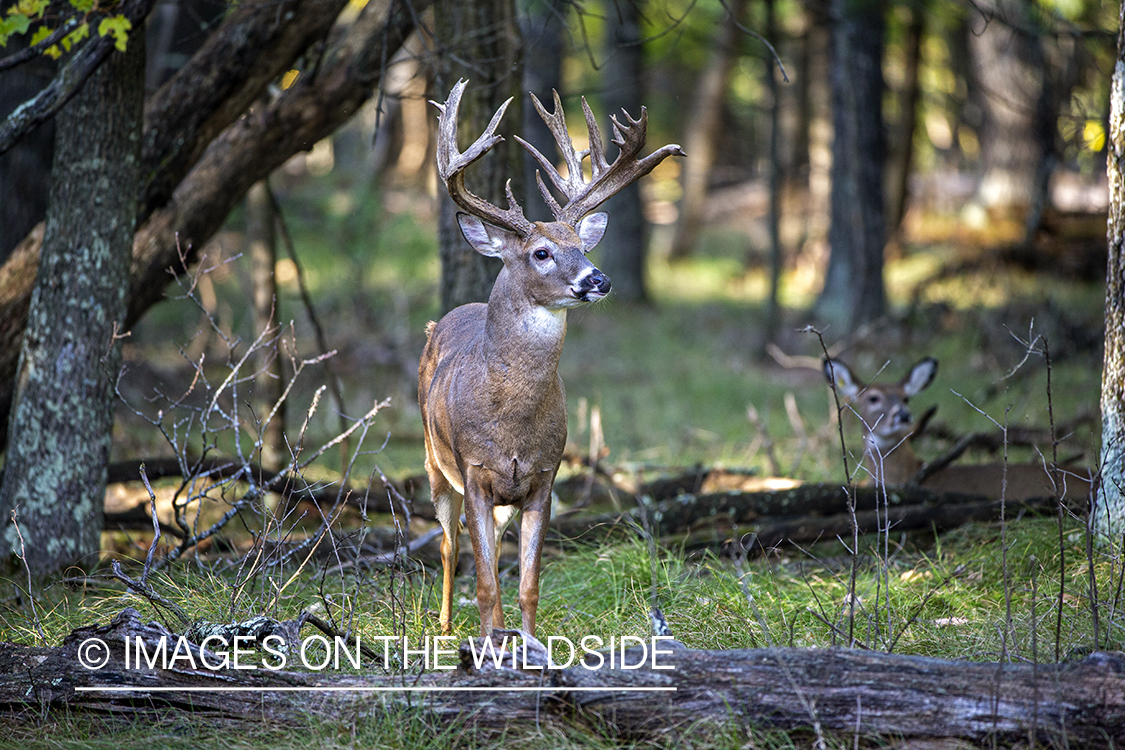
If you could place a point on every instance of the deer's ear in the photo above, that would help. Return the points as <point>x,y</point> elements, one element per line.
<point>591,229</point>
<point>920,376</point>
<point>486,239</point>
<point>840,376</point>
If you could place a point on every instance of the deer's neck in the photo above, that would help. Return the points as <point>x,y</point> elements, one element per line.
<point>891,464</point>
<point>522,341</point>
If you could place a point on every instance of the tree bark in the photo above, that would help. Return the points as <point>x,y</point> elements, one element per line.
<point>1110,510</point>
<point>245,152</point>
<point>773,309</point>
<point>61,423</point>
<point>486,33</point>
<point>901,155</point>
<point>1008,65</point>
<point>853,291</point>
<point>841,692</point>
<point>703,130</point>
<point>622,255</point>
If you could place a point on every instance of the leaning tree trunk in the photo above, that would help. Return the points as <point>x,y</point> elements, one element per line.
<point>623,254</point>
<point>853,288</point>
<point>1110,511</point>
<point>61,425</point>
<point>478,40</point>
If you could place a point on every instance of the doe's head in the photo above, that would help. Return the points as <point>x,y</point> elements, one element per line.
<point>883,409</point>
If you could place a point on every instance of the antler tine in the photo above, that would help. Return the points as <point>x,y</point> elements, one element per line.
<point>598,163</point>
<point>556,123</point>
<point>583,197</point>
<point>452,164</point>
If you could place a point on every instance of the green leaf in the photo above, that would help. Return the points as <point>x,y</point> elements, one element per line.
<point>83,6</point>
<point>11,26</point>
<point>119,27</point>
<point>29,8</point>
<point>40,34</point>
<point>76,36</point>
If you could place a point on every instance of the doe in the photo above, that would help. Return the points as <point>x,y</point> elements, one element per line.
<point>493,405</point>
<point>888,426</point>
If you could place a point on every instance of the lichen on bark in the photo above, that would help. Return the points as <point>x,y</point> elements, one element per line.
<point>62,419</point>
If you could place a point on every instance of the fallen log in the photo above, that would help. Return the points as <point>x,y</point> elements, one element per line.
<point>806,513</point>
<point>846,692</point>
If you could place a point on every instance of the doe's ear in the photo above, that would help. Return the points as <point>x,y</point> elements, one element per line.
<point>840,376</point>
<point>591,229</point>
<point>486,239</point>
<point>920,376</point>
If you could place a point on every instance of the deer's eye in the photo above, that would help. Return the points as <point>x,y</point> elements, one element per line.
<point>541,254</point>
<point>873,399</point>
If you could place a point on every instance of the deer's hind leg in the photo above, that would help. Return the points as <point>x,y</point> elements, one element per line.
<point>447,504</point>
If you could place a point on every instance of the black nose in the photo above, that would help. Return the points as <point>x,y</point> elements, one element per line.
<point>598,280</point>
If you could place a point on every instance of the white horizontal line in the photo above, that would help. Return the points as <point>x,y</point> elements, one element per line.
<point>365,689</point>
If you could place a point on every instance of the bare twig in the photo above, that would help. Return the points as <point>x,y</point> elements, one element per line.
<point>30,589</point>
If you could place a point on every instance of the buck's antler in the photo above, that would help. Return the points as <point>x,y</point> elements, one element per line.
<point>607,179</point>
<point>452,164</point>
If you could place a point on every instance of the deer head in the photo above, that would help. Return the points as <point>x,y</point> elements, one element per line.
<point>883,409</point>
<point>493,407</point>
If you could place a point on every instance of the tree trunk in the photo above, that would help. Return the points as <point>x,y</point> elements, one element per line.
<point>901,155</point>
<point>1008,65</point>
<point>773,311</point>
<point>853,291</point>
<point>702,131</point>
<point>622,256</point>
<point>478,40</point>
<point>228,161</point>
<point>841,692</point>
<point>61,426</point>
<point>1110,510</point>
<point>261,241</point>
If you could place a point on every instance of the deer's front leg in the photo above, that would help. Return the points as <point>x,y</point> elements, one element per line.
<point>482,531</point>
<point>533,529</point>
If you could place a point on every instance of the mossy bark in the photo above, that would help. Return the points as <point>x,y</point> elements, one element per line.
<point>61,424</point>
<point>1110,511</point>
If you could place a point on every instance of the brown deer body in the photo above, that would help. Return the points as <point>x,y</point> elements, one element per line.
<point>888,427</point>
<point>493,405</point>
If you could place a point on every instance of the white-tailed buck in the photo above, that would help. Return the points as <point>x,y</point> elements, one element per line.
<point>888,427</point>
<point>493,405</point>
